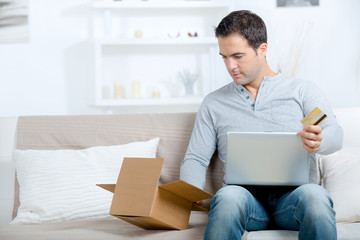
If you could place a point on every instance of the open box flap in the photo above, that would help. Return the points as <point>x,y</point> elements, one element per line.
<point>137,171</point>
<point>136,187</point>
<point>186,191</point>
<point>109,187</point>
<point>196,207</point>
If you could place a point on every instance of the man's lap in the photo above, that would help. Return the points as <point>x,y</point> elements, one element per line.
<point>271,207</point>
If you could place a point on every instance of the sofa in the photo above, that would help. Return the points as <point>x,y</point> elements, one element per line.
<point>49,140</point>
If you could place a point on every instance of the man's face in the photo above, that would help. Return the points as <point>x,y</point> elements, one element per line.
<point>242,61</point>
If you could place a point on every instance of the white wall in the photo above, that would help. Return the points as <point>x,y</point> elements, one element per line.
<point>32,75</point>
<point>325,40</point>
<point>51,75</point>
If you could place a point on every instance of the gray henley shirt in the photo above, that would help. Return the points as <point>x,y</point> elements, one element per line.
<point>280,105</point>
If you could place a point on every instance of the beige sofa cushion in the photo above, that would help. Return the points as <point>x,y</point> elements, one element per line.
<point>78,132</point>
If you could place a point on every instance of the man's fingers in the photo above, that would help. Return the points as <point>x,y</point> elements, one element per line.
<point>311,143</point>
<point>311,136</point>
<point>311,132</point>
<point>311,149</point>
<point>313,128</point>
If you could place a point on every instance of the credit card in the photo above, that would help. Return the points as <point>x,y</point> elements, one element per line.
<point>315,117</point>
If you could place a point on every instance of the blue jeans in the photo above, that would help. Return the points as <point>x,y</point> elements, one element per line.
<point>307,209</point>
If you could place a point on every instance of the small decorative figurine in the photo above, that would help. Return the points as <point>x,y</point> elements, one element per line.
<point>118,90</point>
<point>138,34</point>
<point>188,79</point>
<point>192,35</point>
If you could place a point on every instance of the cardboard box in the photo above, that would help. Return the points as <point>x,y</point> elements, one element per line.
<point>140,201</point>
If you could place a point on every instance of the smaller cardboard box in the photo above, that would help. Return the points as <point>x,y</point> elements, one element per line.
<point>140,201</point>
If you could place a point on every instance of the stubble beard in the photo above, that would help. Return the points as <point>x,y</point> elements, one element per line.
<point>243,80</point>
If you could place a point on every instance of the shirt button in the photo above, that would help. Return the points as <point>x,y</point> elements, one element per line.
<point>247,97</point>
<point>242,90</point>
<point>252,105</point>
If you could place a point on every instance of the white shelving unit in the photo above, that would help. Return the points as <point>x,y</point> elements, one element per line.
<point>158,59</point>
<point>158,41</point>
<point>128,4</point>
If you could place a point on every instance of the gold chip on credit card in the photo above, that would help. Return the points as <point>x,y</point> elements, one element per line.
<point>315,117</point>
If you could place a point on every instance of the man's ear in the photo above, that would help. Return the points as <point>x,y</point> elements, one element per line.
<point>262,49</point>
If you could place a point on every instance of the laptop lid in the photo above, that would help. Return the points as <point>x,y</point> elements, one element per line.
<point>266,158</point>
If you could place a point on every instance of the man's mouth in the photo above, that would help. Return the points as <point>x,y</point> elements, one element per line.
<point>236,75</point>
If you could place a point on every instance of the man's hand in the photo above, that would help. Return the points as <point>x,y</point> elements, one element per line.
<point>311,137</point>
<point>200,203</point>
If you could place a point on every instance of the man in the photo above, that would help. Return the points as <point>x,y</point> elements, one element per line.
<point>259,99</point>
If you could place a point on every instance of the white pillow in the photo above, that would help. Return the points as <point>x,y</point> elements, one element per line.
<point>57,185</point>
<point>341,177</point>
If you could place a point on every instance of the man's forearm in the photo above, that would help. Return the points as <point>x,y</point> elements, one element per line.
<point>332,140</point>
<point>193,172</point>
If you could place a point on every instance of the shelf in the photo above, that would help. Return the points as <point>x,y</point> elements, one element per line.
<point>156,57</point>
<point>158,4</point>
<point>159,41</point>
<point>149,101</point>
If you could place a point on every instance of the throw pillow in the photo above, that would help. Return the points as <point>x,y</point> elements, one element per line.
<point>58,185</point>
<point>341,177</point>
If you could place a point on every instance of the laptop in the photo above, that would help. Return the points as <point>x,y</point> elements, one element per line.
<point>266,158</point>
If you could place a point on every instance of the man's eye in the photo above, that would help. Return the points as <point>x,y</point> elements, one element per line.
<point>238,57</point>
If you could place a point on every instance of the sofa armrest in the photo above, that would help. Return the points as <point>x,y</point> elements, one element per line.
<point>7,169</point>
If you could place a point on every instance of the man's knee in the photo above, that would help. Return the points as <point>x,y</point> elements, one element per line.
<point>315,200</point>
<point>231,195</point>
<point>231,199</point>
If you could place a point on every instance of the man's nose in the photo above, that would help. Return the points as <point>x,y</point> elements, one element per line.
<point>231,64</point>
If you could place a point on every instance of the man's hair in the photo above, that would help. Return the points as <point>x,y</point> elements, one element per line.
<point>245,23</point>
